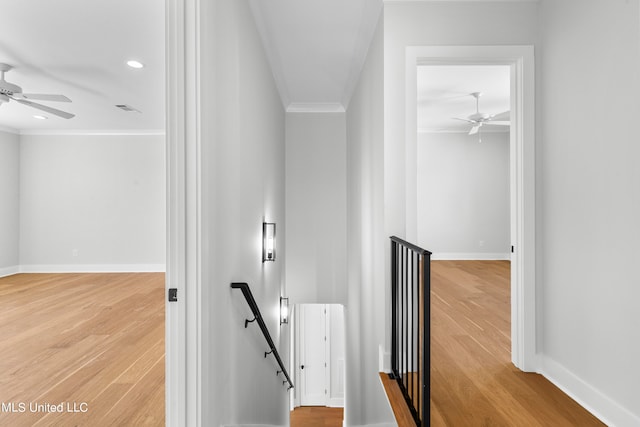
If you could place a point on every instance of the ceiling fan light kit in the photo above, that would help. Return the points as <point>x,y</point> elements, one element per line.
<point>10,91</point>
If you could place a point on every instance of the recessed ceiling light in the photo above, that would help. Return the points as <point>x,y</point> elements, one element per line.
<point>39,117</point>
<point>135,64</point>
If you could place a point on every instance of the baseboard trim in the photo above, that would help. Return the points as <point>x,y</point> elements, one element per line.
<point>470,256</point>
<point>93,268</point>
<point>9,271</point>
<point>593,400</point>
<point>336,402</point>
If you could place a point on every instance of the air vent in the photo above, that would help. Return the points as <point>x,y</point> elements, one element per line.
<point>128,108</point>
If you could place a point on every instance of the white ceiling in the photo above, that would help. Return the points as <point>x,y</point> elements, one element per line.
<point>316,48</point>
<point>444,93</point>
<point>79,48</point>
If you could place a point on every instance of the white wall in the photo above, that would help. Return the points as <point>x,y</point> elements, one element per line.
<point>463,195</point>
<point>366,244</point>
<point>242,129</point>
<point>588,180</point>
<point>9,203</point>
<point>92,203</point>
<point>316,206</point>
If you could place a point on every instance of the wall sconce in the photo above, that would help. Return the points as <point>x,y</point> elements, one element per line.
<point>268,241</point>
<point>284,310</point>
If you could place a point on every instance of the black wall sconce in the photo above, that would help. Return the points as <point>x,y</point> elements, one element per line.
<point>284,310</point>
<point>268,241</point>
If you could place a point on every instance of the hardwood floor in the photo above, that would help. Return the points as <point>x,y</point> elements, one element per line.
<point>316,416</point>
<point>90,345</point>
<point>473,382</point>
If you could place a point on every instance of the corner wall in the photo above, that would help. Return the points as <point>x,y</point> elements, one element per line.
<point>9,203</point>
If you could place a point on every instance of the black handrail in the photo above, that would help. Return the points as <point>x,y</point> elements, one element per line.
<point>410,315</point>
<point>246,291</point>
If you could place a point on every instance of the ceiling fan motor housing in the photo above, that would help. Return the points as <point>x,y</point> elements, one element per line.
<point>7,88</point>
<point>479,117</point>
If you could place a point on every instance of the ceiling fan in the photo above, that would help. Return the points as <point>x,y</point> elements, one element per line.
<point>479,119</point>
<point>9,91</point>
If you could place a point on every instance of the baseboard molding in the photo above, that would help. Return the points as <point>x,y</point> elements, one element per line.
<point>248,425</point>
<point>9,271</point>
<point>592,399</point>
<point>336,402</point>
<point>469,256</point>
<point>93,268</point>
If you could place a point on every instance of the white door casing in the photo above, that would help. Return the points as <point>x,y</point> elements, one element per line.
<point>522,172</point>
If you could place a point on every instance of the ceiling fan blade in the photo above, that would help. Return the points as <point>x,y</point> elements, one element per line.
<point>473,122</point>
<point>50,110</point>
<point>498,122</point>
<point>474,129</point>
<point>505,115</point>
<point>42,97</point>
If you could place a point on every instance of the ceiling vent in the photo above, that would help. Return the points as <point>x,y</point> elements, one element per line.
<point>127,108</point>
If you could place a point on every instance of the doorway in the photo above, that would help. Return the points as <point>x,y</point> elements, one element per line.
<point>318,360</point>
<point>520,61</point>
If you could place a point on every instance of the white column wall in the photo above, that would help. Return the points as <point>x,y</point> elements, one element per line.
<point>366,245</point>
<point>9,203</point>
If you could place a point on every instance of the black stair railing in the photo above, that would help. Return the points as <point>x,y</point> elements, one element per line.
<point>257,317</point>
<point>410,325</point>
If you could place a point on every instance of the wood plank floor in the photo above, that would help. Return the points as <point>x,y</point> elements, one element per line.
<point>316,416</point>
<point>91,345</point>
<point>473,382</point>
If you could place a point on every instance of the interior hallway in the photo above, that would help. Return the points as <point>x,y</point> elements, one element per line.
<point>473,382</point>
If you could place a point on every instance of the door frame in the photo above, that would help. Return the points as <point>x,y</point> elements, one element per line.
<point>522,173</point>
<point>183,317</point>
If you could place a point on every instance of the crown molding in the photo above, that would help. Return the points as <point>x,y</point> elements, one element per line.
<point>315,107</point>
<point>105,132</point>
<point>9,130</point>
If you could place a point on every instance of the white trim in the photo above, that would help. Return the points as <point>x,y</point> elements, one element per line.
<point>9,271</point>
<point>248,425</point>
<point>523,265</point>
<point>92,268</point>
<point>183,394</point>
<point>9,130</point>
<point>593,400</point>
<point>271,50</point>
<point>87,132</point>
<point>469,256</point>
<point>491,129</point>
<point>335,402</point>
<point>315,107</point>
<point>466,1</point>
<point>366,30</point>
